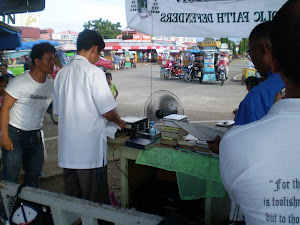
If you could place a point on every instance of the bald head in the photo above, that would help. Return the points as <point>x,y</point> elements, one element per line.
<point>285,39</point>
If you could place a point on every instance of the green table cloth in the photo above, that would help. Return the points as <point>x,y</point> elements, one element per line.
<point>198,175</point>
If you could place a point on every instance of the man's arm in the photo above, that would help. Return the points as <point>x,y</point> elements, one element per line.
<point>112,116</point>
<point>8,102</point>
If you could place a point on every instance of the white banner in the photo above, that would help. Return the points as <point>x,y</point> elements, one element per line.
<point>199,18</point>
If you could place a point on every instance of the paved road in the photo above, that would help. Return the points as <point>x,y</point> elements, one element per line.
<point>208,101</point>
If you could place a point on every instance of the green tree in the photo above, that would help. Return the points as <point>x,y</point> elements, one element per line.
<point>105,28</point>
<point>243,46</point>
<point>234,49</point>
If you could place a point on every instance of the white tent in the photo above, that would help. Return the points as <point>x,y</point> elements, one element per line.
<point>199,18</point>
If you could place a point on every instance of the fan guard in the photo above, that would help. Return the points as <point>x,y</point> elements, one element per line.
<point>162,103</point>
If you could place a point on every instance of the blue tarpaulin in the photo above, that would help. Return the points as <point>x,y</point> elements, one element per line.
<point>30,44</point>
<point>10,37</point>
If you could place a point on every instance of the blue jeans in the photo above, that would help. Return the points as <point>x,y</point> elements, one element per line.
<point>28,149</point>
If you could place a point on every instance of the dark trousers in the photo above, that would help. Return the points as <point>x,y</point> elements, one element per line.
<point>89,184</point>
<point>28,149</point>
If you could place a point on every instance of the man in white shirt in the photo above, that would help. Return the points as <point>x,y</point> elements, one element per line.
<point>25,102</point>
<point>259,162</point>
<point>82,100</point>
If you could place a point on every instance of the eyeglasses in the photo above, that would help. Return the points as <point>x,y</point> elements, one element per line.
<point>248,56</point>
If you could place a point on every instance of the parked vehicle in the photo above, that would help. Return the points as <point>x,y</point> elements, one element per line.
<point>192,73</point>
<point>171,71</point>
<point>104,64</point>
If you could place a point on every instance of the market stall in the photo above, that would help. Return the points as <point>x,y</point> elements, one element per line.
<point>10,37</point>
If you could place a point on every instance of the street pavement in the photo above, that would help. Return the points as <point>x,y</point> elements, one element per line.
<point>206,102</point>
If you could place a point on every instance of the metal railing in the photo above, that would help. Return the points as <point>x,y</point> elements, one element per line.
<point>66,210</point>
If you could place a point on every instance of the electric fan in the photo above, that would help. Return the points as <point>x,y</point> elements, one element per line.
<point>162,103</point>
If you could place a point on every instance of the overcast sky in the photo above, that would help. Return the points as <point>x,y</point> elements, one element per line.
<point>62,15</point>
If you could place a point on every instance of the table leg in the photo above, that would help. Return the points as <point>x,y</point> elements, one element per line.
<point>208,211</point>
<point>124,183</point>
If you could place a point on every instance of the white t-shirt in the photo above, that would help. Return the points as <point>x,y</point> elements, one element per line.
<point>81,96</point>
<point>33,99</point>
<point>259,165</point>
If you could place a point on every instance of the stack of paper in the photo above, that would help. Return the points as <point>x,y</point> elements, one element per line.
<point>171,133</point>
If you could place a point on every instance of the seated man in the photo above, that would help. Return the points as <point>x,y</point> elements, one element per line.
<point>259,162</point>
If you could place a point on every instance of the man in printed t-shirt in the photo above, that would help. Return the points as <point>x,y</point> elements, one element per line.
<point>262,175</point>
<point>25,102</point>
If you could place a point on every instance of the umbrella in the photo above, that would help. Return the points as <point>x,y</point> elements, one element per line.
<point>10,37</point>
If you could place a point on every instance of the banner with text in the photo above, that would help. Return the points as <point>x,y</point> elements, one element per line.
<point>199,18</point>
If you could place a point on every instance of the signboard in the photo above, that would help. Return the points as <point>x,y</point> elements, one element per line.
<point>164,38</point>
<point>64,37</point>
<point>21,20</point>
<point>143,47</point>
<point>199,18</point>
<point>209,44</point>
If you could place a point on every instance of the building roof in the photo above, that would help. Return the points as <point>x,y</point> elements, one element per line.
<point>30,32</point>
<point>69,32</point>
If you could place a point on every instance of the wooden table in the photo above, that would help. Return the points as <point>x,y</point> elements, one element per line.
<point>216,209</point>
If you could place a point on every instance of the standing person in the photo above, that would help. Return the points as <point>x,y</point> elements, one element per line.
<point>4,72</point>
<point>25,102</point>
<point>3,84</point>
<point>259,100</point>
<point>116,59</point>
<point>145,58</point>
<point>141,55</point>
<point>149,57</point>
<point>82,100</point>
<point>113,87</point>
<point>262,175</point>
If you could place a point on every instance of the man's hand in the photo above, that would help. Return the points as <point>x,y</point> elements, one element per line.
<point>112,116</point>
<point>214,145</point>
<point>235,111</point>
<point>122,124</point>
<point>6,143</point>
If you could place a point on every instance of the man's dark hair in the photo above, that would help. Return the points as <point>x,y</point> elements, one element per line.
<point>285,39</point>
<point>4,64</point>
<point>252,81</point>
<point>261,31</point>
<point>108,75</point>
<point>39,50</point>
<point>89,38</point>
<point>3,79</point>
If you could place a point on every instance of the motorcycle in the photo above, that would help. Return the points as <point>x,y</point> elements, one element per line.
<point>171,71</point>
<point>222,74</point>
<point>122,63</point>
<point>192,73</point>
<point>133,64</point>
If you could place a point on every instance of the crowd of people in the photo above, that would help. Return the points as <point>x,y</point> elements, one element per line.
<point>258,156</point>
